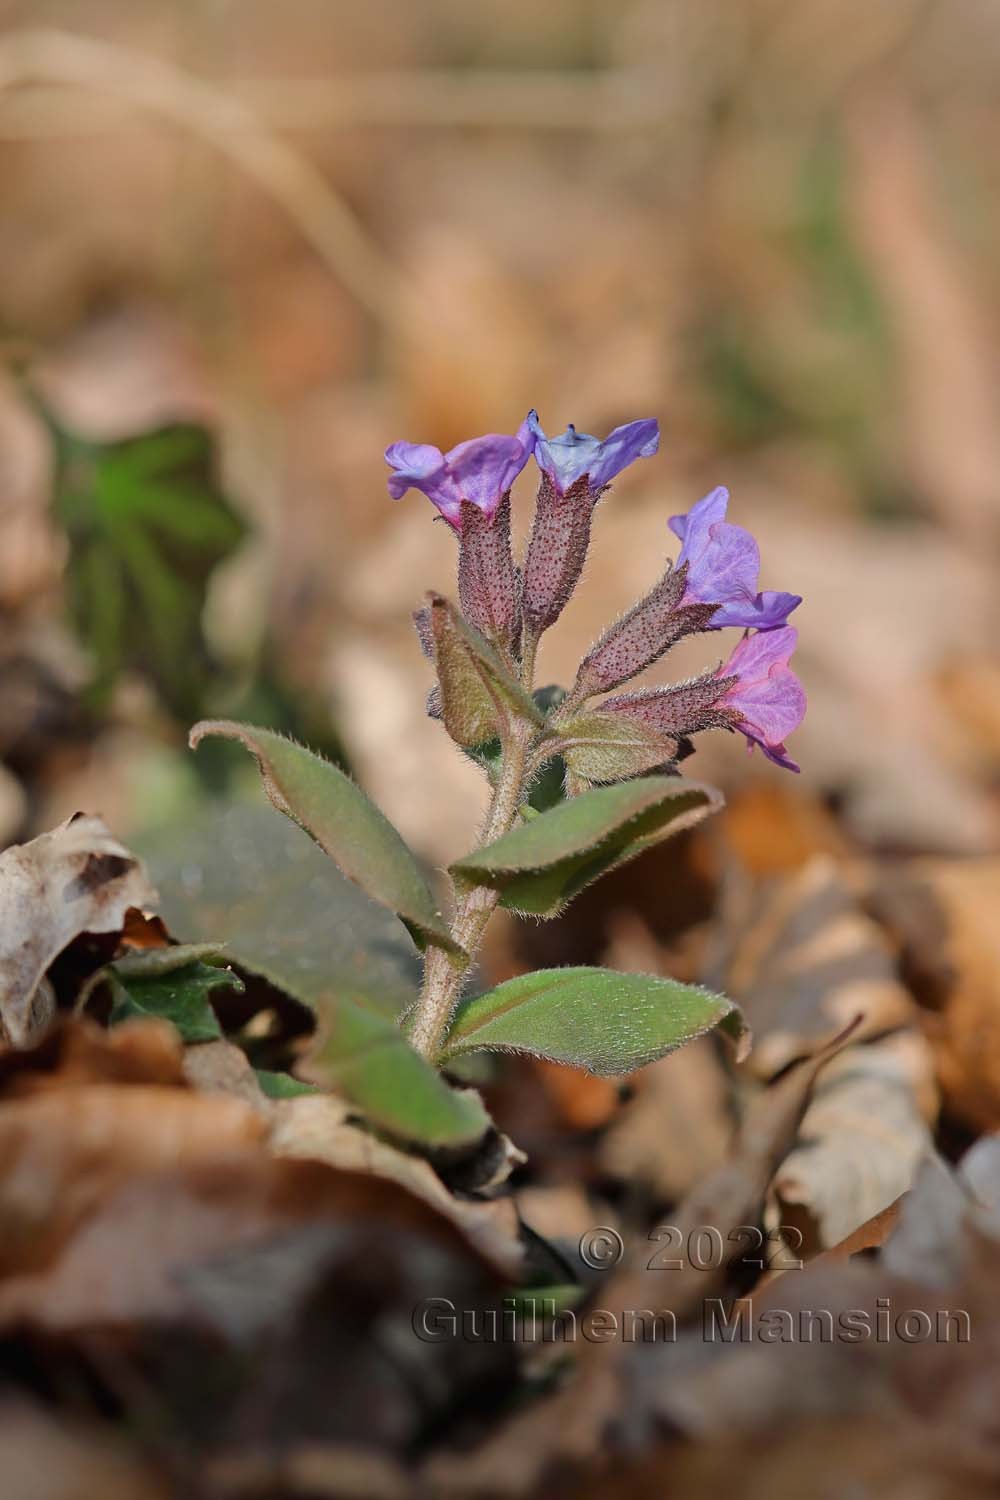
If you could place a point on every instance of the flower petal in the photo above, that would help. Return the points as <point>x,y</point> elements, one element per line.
<point>575,455</point>
<point>772,706</point>
<point>622,447</point>
<point>765,611</point>
<point>484,468</point>
<point>753,657</point>
<point>694,528</point>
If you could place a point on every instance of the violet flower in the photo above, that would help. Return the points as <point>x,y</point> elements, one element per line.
<point>766,695</point>
<point>723,563</point>
<point>576,469</point>
<point>480,471</point>
<point>577,455</point>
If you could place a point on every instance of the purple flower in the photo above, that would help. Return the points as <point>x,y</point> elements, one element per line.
<point>576,455</point>
<point>480,471</point>
<point>723,563</point>
<point>766,695</point>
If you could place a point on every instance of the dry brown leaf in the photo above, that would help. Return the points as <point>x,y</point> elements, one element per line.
<point>871,1235</point>
<point>47,1458</point>
<point>223,1068</point>
<point>944,916</point>
<point>75,879</point>
<point>64,1150</point>
<point>803,958</point>
<point>803,1460</point>
<point>317,1128</point>
<point>771,828</point>
<point>568,1428</point>
<point>677,1128</point>
<point>860,1142</point>
<point>582,1100</point>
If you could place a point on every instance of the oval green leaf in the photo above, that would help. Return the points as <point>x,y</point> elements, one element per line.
<point>368,1060</point>
<point>344,822</point>
<point>478,695</point>
<point>610,747</point>
<point>540,866</point>
<point>241,875</point>
<point>598,1019</point>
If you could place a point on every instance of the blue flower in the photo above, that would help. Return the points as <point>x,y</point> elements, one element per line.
<point>723,563</point>
<point>576,455</point>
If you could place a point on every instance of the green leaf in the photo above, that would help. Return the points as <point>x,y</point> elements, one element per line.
<point>178,995</point>
<point>541,865</point>
<point>344,822</point>
<point>590,1018</point>
<point>147,523</point>
<point>248,877</point>
<point>478,694</point>
<point>610,747</point>
<point>243,875</point>
<point>368,1060</point>
<point>282,1085</point>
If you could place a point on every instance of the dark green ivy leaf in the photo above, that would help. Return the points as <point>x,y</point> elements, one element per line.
<point>147,523</point>
<point>180,996</point>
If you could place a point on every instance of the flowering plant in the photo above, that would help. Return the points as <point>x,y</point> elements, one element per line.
<point>580,781</point>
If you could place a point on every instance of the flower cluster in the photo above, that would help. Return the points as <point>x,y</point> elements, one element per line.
<point>712,585</point>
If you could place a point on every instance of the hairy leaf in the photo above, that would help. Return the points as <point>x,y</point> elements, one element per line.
<point>591,1018</point>
<point>147,523</point>
<point>541,865</point>
<point>344,822</point>
<point>368,1060</point>
<point>245,876</point>
<point>478,694</point>
<point>609,747</point>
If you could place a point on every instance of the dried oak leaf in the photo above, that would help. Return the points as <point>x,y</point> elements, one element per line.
<point>46,1457</point>
<point>75,879</point>
<point>802,957</point>
<point>943,914</point>
<point>568,1430</point>
<point>860,1142</point>
<point>150,1229</point>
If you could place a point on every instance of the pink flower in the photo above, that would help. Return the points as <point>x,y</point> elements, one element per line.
<point>766,696</point>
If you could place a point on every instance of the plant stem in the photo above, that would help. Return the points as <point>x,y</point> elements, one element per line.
<point>444,976</point>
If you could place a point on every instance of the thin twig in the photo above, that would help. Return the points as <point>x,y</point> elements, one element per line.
<point>619,100</point>
<point>318,211</point>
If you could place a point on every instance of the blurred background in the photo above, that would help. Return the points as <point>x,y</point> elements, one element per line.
<point>245,246</point>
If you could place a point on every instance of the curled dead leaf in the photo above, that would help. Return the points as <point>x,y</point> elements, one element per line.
<point>75,879</point>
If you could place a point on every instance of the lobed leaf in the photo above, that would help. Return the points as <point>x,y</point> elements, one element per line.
<point>147,523</point>
<point>590,1018</point>
<point>541,865</point>
<point>345,823</point>
<point>179,995</point>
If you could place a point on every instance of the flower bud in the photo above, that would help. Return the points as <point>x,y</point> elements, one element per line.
<point>489,585</point>
<point>642,635</point>
<point>679,711</point>
<point>576,470</point>
<point>557,551</point>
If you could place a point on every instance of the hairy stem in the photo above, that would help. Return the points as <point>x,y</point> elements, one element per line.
<point>444,976</point>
